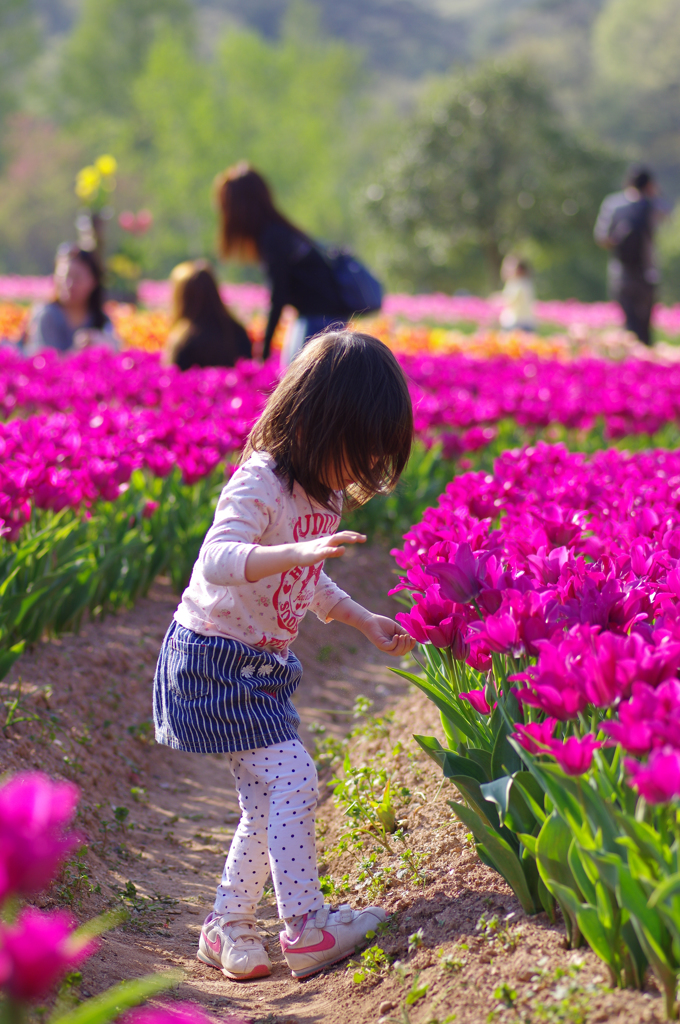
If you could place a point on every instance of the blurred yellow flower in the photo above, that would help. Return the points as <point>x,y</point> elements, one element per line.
<point>88,181</point>
<point>106,165</point>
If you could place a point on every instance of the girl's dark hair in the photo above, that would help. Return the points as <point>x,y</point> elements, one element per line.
<point>343,406</point>
<point>246,207</point>
<point>95,302</point>
<point>197,308</point>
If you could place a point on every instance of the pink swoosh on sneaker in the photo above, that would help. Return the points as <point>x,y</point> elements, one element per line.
<point>327,942</point>
<point>215,945</point>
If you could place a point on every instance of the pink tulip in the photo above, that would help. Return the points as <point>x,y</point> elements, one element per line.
<point>36,951</point>
<point>34,812</point>
<point>658,781</point>
<point>536,736</point>
<point>463,580</point>
<point>477,700</point>
<point>149,509</point>
<point>179,1013</point>
<point>574,755</point>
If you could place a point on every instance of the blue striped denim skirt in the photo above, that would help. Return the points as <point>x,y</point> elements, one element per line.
<point>212,695</point>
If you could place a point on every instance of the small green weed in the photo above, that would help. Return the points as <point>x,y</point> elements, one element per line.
<point>373,961</point>
<point>499,934</point>
<point>417,991</point>
<point>416,940</point>
<point>140,908</point>
<point>333,889</point>
<point>553,997</point>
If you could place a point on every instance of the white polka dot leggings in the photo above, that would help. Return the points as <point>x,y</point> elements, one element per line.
<point>277,791</point>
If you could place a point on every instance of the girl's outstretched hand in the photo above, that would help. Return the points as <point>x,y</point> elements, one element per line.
<point>313,551</point>
<point>269,561</point>
<point>387,635</point>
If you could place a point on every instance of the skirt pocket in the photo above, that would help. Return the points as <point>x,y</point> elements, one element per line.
<point>187,667</point>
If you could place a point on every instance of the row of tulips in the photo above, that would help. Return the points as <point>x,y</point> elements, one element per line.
<point>111,464</point>
<point>547,600</point>
<point>38,948</point>
<point>148,330</point>
<point>79,428</point>
<point>438,307</point>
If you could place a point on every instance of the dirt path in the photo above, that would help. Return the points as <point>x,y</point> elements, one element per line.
<point>159,823</point>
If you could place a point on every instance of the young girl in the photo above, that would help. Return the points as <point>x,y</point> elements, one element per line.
<point>339,421</point>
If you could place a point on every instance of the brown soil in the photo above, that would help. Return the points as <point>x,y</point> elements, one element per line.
<point>90,695</point>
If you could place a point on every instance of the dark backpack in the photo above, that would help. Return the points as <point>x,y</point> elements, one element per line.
<point>630,231</point>
<point>359,291</point>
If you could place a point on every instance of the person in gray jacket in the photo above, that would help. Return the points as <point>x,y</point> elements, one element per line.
<point>625,226</point>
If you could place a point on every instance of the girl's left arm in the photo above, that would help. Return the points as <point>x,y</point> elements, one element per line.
<point>384,633</point>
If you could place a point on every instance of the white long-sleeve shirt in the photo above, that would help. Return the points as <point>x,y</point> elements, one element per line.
<point>257,508</point>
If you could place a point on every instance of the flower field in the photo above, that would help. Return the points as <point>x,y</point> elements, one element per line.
<point>547,600</point>
<point>543,573</point>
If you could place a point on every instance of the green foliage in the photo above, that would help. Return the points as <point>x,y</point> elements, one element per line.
<point>421,483</point>
<point>18,43</point>
<point>105,53</point>
<point>65,565</point>
<point>488,165</point>
<point>283,105</point>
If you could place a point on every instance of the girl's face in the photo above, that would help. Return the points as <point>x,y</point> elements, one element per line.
<point>74,282</point>
<point>338,480</point>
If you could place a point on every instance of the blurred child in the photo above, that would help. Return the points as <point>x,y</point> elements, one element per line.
<point>518,295</point>
<point>203,332</point>
<point>340,422</point>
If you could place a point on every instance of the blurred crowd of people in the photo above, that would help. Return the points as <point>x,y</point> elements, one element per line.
<point>302,274</point>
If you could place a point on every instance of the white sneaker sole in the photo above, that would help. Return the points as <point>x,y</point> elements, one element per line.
<point>306,972</point>
<point>260,971</point>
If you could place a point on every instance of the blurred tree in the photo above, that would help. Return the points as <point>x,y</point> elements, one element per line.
<point>19,42</point>
<point>488,165</point>
<point>637,46</point>
<point>288,106</point>
<point>37,204</point>
<point>105,53</point>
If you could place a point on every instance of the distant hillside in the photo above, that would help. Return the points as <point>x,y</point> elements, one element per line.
<point>404,38</point>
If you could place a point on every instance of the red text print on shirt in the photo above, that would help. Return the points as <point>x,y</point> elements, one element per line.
<point>294,595</point>
<point>315,524</point>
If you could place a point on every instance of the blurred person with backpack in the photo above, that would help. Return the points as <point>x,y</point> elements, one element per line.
<point>625,226</point>
<point>325,288</point>
<point>203,332</point>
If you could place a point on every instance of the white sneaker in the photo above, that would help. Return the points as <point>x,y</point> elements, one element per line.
<point>327,937</point>
<point>233,947</point>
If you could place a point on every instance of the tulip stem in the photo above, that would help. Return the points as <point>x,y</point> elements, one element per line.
<point>11,1011</point>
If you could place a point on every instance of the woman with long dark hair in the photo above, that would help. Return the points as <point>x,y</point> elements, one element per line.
<point>203,332</point>
<point>253,230</point>
<point>75,318</point>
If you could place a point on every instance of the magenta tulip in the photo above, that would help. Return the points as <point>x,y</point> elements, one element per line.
<point>179,1013</point>
<point>536,736</point>
<point>658,781</point>
<point>574,755</point>
<point>34,811</point>
<point>36,951</point>
<point>477,700</point>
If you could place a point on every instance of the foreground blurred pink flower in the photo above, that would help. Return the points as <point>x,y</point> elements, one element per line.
<point>37,950</point>
<point>180,1013</point>
<point>575,755</point>
<point>34,811</point>
<point>658,781</point>
<point>149,509</point>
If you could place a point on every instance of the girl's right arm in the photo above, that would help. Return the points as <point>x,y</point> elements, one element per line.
<point>272,561</point>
